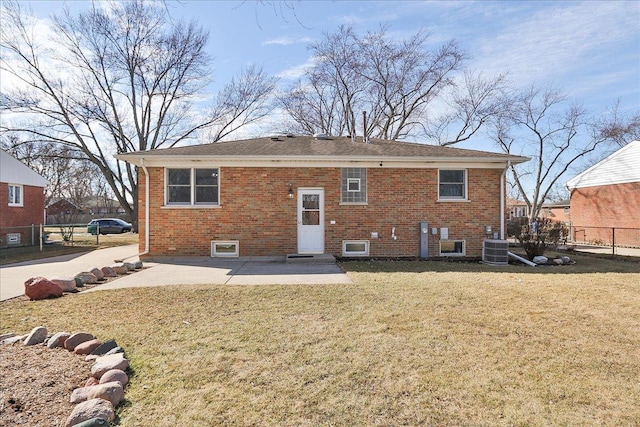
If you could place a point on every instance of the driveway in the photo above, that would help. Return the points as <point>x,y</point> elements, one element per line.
<point>237,271</point>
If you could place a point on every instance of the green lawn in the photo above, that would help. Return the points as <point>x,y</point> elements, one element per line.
<point>409,343</point>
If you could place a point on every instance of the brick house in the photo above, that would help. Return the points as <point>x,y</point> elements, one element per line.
<point>21,201</point>
<point>607,196</point>
<point>303,195</point>
<point>559,211</point>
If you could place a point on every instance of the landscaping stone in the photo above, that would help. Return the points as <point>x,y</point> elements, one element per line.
<point>14,339</point>
<point>79,282</point>
<point>111,391</point>
<point>87,277</point>
<point>36,336</point>
<point>86,347</point>
<point>120,269</point>
<point>137,265</point>
<point>108,272</point>
<point>103,348</point>
<point>114,350</point>
<point>106,363</point>
<point>80,394</point>
<point>93,422</point>
<point>130,266</point>
<point>97,272</point>
<point>91,381</point>
<point>77,338</point>
<point>93,408</point>
<point>91,357</point>
<point>58,339</point>
<point>38,288</point>
<point>115,375</point>
<point>540,259</point>
<point>5,336</point>
<point>67,284</point>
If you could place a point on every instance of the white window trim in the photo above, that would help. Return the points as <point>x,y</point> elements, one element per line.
<point>192,204</point>
<point>464,248</point>
<point>361,253</point>
<point>352,180</point>
<point>21,201</point>
<point>465,198</point>
<point>215,253</point>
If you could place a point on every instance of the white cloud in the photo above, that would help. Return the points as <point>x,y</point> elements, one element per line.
<point>296,71</point>
<point>556,40</point>
<point>285,41</point>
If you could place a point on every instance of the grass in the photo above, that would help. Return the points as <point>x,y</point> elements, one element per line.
<point>409,343</point>
<point>82,242</point>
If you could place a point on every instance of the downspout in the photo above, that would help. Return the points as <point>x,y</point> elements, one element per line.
<point>146,208</point>
<point>503,184</point>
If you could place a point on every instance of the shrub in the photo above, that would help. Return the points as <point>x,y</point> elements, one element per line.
<point>535,238</point>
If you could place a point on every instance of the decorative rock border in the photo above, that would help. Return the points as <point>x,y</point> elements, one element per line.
<point>103,390</point>
<point>37,288</point>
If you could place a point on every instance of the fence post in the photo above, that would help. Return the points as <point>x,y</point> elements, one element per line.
<point>613,241</point>
<point>41,236</point>
<point>98,233</point>
<point>33,232</point>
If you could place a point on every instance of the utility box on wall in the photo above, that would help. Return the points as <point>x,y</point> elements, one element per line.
<point>424,240</point>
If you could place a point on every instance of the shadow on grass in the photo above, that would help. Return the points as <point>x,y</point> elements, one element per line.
<point>584,264</point>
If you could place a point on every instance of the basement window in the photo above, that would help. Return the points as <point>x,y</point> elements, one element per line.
<point>355,248</point>
<point>452,247</point>
<point>227,249</point>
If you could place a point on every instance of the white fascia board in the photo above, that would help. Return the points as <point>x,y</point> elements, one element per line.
<point>371,162</point>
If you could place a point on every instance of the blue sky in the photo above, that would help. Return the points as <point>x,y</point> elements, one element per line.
<point>590,49</point>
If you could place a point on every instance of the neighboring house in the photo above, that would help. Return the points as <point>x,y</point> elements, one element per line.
<point>62,211</point>
<point>557,211</point>
<point>21,201</point>
<point>607,196</point>
<point>517,209</point>
<point>301,195</point>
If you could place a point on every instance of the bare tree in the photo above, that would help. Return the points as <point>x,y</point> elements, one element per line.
<point>118,80</point>
<point>620,128</point>
<point>402,85</point>
<point>542,124</point>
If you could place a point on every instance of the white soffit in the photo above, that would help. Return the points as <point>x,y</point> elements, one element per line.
<point>621,167</point>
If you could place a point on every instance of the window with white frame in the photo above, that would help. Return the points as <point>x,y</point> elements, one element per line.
<point>355,248</point>
<point>15,195</point>
<point>192,186</point>
<point>225,248</point>
<point>354,185</point>
<point>452,184</point>
<point>452,247</point>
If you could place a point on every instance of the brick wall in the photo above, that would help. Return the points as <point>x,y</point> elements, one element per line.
<point>32,211</point>
<point>18,219</point>
<point>607,207</point>
<point>256,211</point>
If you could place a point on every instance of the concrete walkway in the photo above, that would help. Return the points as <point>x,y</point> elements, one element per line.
<point>237,271</point>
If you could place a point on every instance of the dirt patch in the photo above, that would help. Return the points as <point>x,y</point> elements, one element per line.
<point>36,384</point>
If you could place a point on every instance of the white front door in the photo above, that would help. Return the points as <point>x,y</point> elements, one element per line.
<point>310,220</point>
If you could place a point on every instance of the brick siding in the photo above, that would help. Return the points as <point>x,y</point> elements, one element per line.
<point>16,219</point>
<point>607,206</point>
<point>255,210</point>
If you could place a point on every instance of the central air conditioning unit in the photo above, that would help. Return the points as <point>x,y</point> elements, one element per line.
<point>495,252</point>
